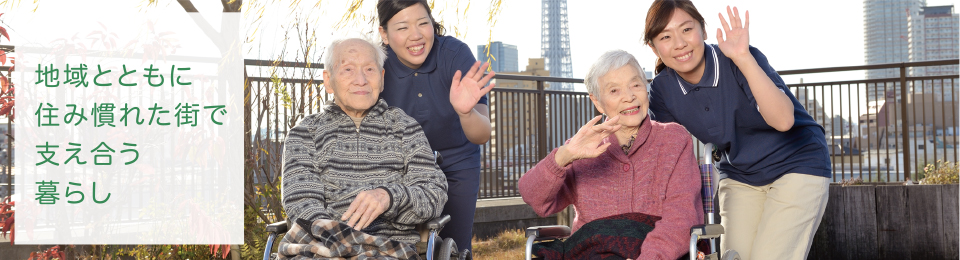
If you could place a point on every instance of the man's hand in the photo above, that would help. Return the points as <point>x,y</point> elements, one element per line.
<point>366,207</point>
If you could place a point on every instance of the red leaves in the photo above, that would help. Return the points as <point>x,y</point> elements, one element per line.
<point>51,253</point>
<point>6,218</point>
<point>3,31</point>
<point>224,249</point>
<point>7,101</point>
<point>4,83</point>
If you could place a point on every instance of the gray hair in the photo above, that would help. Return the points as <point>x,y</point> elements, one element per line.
<point>332,61</point>
<point>608,62</point>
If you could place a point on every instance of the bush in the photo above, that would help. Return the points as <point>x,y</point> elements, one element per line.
<point>943,172</point>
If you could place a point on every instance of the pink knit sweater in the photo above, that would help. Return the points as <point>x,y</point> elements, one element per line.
<point>660,177</point>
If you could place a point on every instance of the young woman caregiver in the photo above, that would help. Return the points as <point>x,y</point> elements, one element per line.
<point>773,159</point>
<point>423,77</point>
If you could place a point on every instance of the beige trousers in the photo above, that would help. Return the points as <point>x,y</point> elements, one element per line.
<point>774,221</point>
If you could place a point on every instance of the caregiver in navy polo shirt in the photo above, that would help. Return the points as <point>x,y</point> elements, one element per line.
<point>423,77</point>
<point>774,165</point>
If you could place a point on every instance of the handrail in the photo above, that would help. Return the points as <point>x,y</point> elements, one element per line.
<point>255,62</point>
<point>269,63</point>
<point>537,78</point>
<point>870,67</point>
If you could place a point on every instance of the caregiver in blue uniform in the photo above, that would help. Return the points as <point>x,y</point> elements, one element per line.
<point>773,160</point>
<point>423,77</point>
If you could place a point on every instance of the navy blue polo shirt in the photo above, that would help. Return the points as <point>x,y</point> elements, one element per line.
<point>424,94</point>
<point>721,109</point>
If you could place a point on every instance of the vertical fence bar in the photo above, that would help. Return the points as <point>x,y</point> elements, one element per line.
<point>876,131</point>
<point>903,115</point>
<point>943,118</point>
<point>501,145</point>
<point>859,135</point>
<point>849,129</point>
<point>923,123</point>
<point>541,121</point>
<point>953,115</point>
<point>518,149</point>
<point>834,125</point>
<point>886,149</point>
<point>923,105</point>
<point>956,128</point>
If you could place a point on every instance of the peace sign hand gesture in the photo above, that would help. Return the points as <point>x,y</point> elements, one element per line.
<point>588,142</point>
<point>466,92</point>
<point>737,43</point>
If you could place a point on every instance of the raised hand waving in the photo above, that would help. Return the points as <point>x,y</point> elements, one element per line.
<point>466,91</point>
<point>588,142</point>
<point>737,42</point>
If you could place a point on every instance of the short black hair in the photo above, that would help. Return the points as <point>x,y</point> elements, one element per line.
<point>386,9</point>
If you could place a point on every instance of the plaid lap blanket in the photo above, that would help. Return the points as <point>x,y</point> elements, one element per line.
<point>614,237</point>
<point>328,239</point>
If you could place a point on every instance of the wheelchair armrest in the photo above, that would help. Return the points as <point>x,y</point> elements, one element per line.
<point>707,231</point>
<point>279,227</point>
<point>438,223</point>
<point>548,232</point>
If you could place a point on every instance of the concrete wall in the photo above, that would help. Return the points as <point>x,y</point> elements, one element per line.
<point>497,215</point>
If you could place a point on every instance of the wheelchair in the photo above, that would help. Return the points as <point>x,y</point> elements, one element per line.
<point>431,246</point>
<point>709,230</point>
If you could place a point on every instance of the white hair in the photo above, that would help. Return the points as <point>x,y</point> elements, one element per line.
<point>610,61</point>
<point>332,61</point>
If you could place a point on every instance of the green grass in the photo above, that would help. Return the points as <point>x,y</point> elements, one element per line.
<point>507,245</point>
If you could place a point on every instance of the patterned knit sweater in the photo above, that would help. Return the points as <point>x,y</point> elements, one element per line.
<point>327,161</point>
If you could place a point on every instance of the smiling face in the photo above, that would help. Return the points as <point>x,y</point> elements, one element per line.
<point>623,92</point>
<point>356,80</point>
<point>680,46</point>
<point>410,35</point>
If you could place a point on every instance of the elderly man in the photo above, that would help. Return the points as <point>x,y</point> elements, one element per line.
<point>358,165</point>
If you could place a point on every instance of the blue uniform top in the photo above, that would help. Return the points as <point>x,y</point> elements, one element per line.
<point>721,109</point>
<point>424,94</point>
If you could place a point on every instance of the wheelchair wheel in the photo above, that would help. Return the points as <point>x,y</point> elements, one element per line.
<point>730,254</point>
<point>447,249</point>
<point>465,255</point>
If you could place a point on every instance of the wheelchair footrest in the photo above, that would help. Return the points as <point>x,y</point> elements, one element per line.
<point>278,228</point>
<point>707,231</point>
<point>548,232</point>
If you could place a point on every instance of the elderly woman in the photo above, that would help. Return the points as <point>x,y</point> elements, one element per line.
<point>627,169</point>
<point>360,175</point>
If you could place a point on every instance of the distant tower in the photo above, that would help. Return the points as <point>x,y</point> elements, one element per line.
<point>555,41</point>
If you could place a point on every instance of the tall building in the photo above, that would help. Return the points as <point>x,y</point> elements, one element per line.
<point>936,39</point>
<point>502,57</point>
<point>887,25</point>
<point>555,41</point>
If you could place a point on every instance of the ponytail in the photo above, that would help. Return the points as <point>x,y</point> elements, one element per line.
<point>660,67</point>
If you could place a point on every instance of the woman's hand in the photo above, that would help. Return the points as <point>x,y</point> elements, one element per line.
<point>465,92</point>
<point>737,43</point>
<point>588,142</point>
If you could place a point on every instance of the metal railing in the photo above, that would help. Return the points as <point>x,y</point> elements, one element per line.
<point>528,123</point>
<point>897,132</point>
